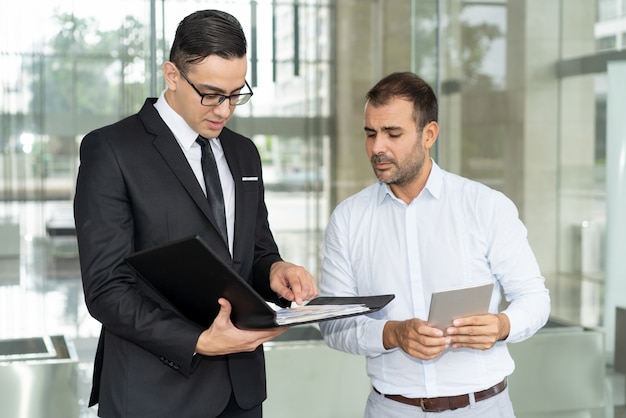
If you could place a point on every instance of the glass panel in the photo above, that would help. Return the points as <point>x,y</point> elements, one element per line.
<point>607,43</point>
<point>79,67</point>
<point>86,66</point>
<point>473,91</point>
<point>607,9</point>
<point>506,120</point>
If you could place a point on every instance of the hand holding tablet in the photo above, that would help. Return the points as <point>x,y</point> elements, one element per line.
<point>449,304</point>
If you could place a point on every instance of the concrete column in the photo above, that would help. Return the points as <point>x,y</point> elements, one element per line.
<point>355,35</point>
<point>372,39</point>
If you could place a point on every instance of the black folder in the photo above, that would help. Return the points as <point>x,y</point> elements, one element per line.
<point>192,278</point>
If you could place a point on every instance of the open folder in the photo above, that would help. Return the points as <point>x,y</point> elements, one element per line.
<point>191,277</point>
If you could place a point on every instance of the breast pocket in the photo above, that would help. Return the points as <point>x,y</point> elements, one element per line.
<point>250,184</point>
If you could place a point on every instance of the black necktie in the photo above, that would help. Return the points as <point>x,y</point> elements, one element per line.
<point>213,186</point>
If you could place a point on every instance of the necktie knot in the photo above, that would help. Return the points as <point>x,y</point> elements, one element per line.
<point>202,141</point>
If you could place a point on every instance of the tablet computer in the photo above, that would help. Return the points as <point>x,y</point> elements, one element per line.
<point>449,304</point>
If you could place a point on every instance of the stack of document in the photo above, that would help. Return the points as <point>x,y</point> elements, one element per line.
<point>314,313</point>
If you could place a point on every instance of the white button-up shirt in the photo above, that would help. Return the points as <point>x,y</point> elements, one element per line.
<point>457,232</point>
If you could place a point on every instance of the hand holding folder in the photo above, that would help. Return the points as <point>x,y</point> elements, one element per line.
<point>191,277</point>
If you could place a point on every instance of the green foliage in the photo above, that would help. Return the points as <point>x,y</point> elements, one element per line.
<point>84,70</point>
<point>477,40</point>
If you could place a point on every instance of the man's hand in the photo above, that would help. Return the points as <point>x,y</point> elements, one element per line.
<point>415,338</point>
<point>222,337</point>
<point>479,332</point>
<point>292,282</point>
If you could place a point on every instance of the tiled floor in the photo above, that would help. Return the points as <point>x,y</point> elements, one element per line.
<point>41,294</point>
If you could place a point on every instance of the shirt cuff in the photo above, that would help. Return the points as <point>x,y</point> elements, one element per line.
<point>373,340</point>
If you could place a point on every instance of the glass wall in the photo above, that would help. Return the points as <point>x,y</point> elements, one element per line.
<point>513,121</point>
<point>87,66</point>
<point>509,118</point>
<point>522,88</point>
<point>70,67</point>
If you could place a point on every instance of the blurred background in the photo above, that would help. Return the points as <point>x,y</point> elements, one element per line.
<point>532,97</point>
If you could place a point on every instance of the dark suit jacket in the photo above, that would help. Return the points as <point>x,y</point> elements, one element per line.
<point>135,190</point>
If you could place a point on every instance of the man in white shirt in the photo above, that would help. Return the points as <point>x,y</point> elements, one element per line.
<point>418,230</point>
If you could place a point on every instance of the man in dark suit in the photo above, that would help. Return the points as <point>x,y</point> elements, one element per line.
<point>141,185</point>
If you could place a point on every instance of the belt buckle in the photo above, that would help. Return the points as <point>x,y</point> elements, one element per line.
<point>425,408</point>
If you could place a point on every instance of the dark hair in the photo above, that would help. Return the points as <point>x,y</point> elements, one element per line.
<point>408,86</point>
<point>204,33</point>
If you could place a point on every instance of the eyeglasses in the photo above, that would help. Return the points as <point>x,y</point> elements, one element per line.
<point>218,99</point>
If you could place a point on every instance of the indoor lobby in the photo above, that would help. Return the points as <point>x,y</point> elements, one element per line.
<point>531,102</point>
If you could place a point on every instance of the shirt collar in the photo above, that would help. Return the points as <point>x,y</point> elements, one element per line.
<point>435,181</point>
<point>433,184</point>
<point>183,133</point>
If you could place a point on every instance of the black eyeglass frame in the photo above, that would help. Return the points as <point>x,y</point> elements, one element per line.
<point>240,98</point>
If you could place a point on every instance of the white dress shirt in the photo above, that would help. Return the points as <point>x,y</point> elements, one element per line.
<point>186,138</point>
<point>456,232</point>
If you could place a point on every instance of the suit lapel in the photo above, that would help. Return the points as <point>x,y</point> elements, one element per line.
<point>175,159</point>
<point>168,147</point>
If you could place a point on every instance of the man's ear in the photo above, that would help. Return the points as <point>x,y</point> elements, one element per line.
<point>171,75</point>
<point>430,134</point>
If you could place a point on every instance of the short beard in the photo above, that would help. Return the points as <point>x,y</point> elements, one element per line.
<point>382,158</point>
<point>403,175</point>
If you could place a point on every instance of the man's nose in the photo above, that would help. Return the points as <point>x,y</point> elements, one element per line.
<point>224,109</point>
<point>378,145</point>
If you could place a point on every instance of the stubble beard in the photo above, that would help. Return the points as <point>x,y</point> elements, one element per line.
<point>399,175</point>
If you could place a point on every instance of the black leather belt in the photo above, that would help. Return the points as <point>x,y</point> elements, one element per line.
<point>446,403</point>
